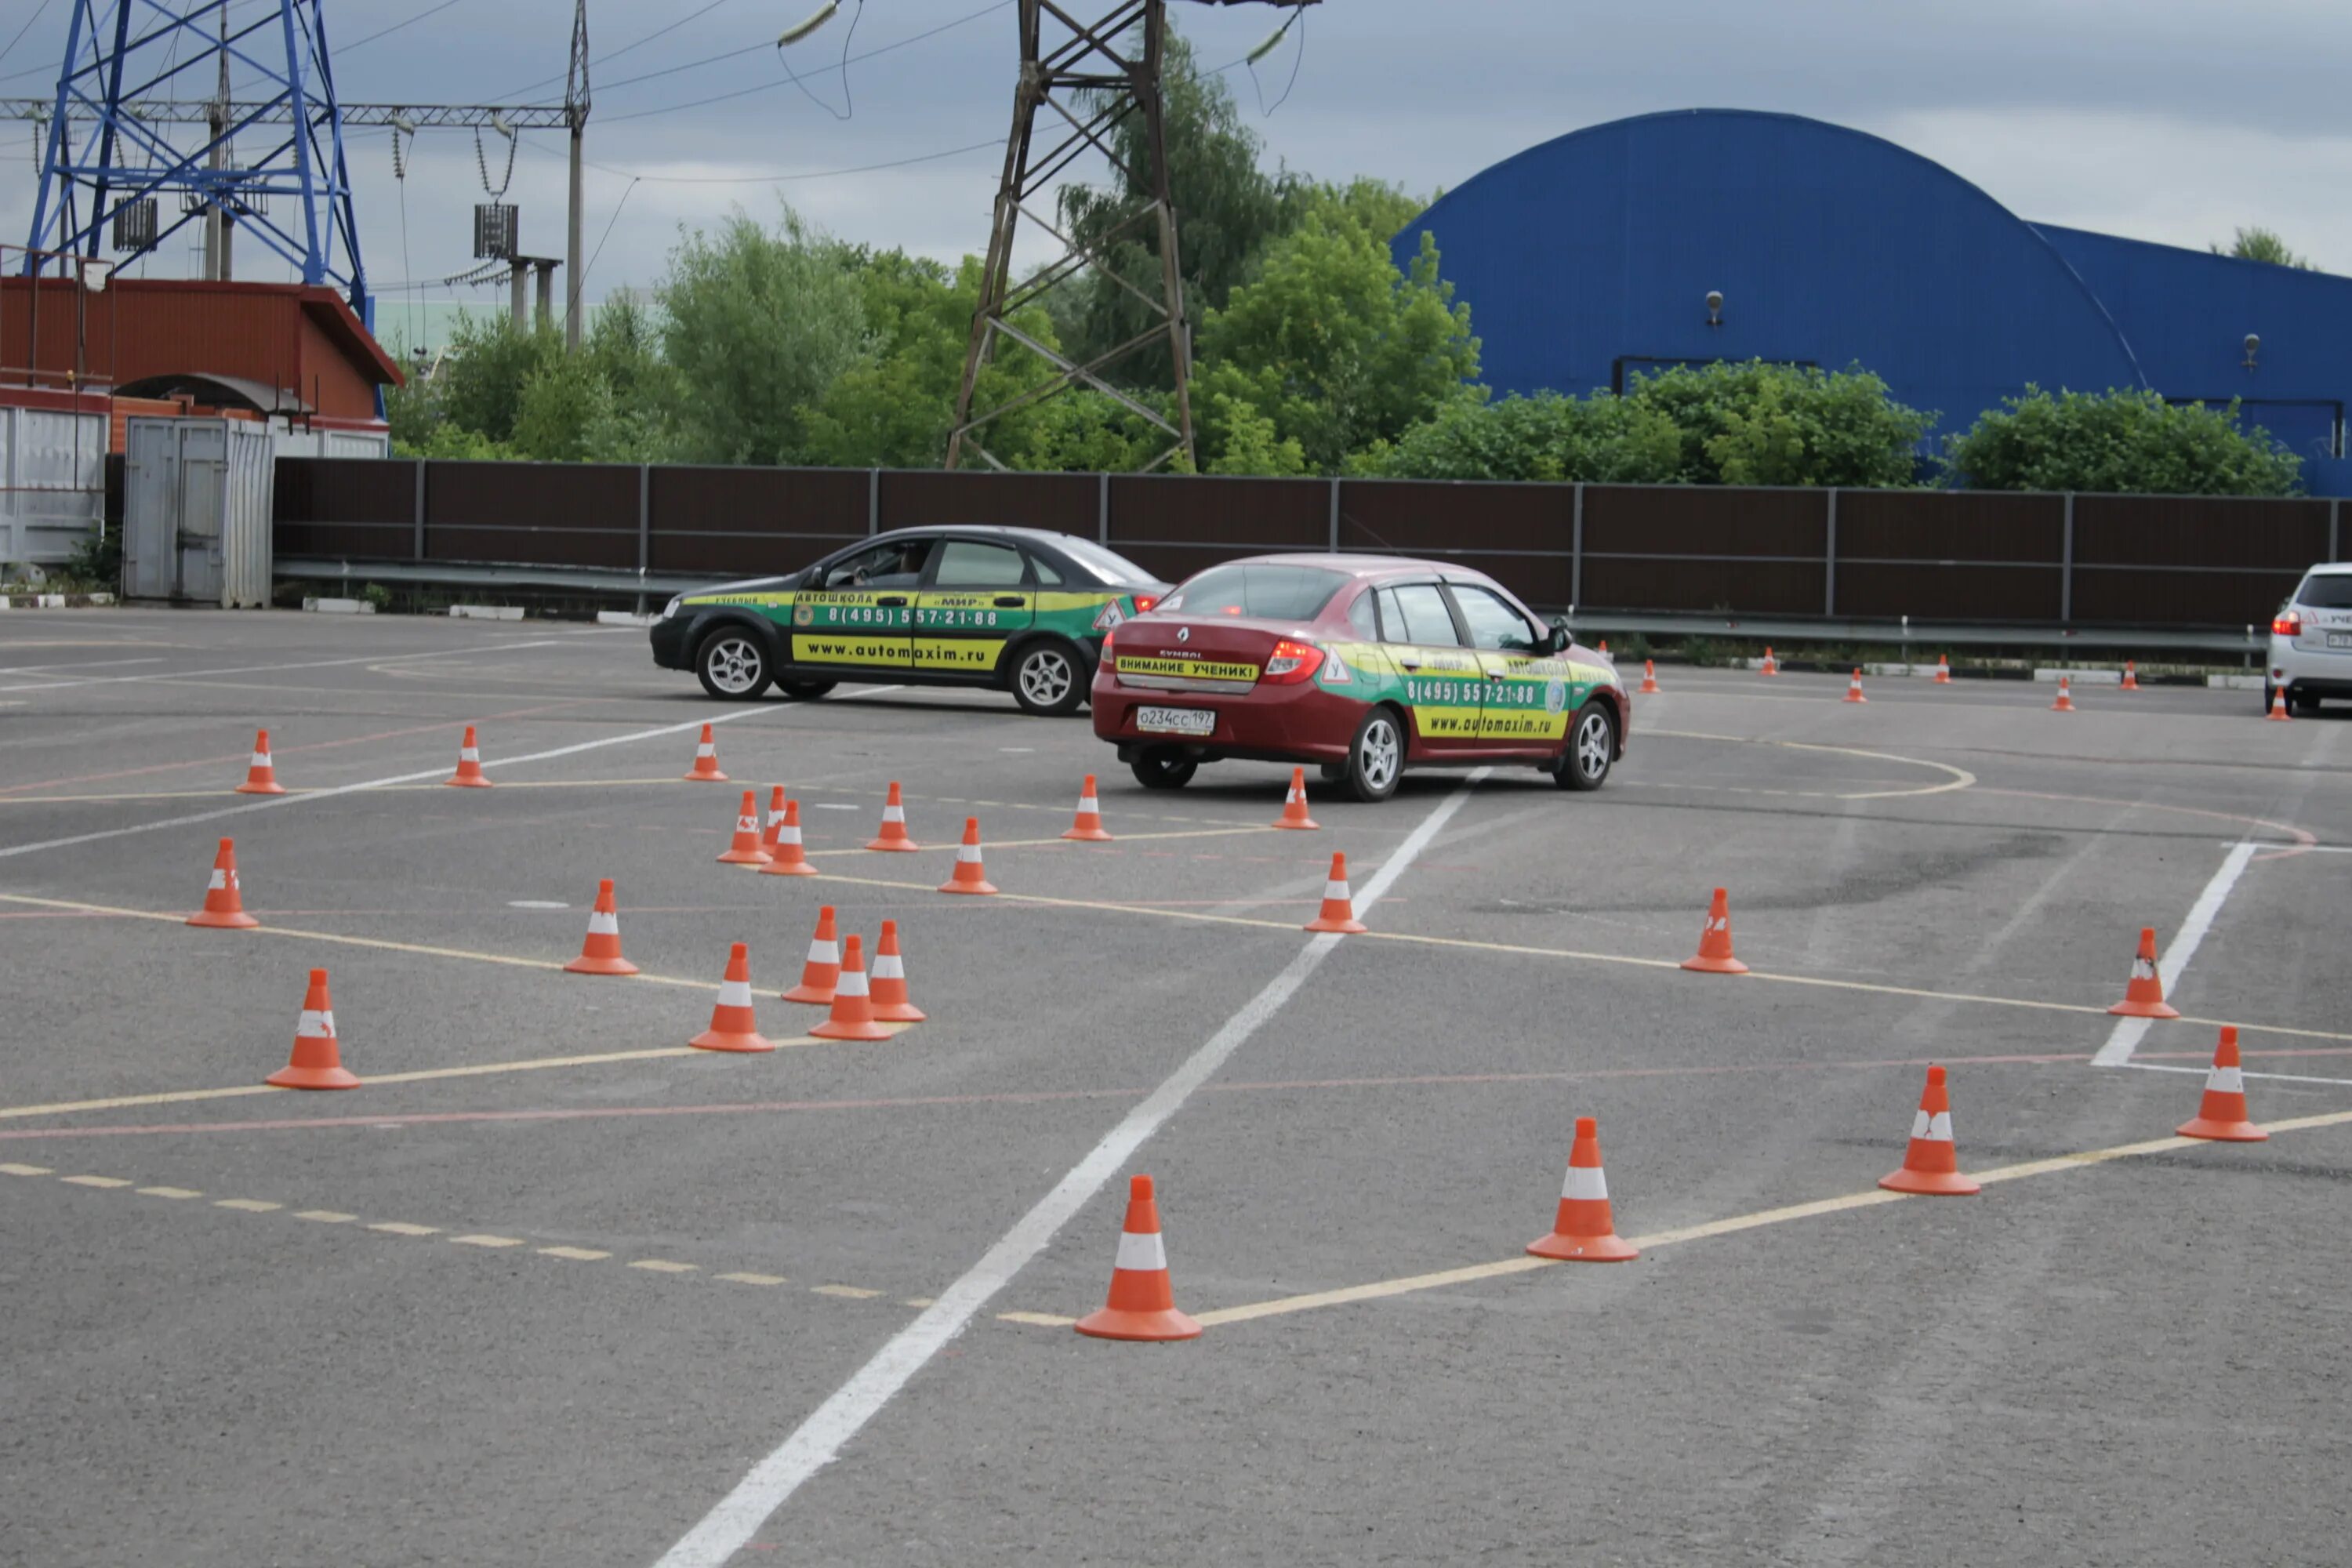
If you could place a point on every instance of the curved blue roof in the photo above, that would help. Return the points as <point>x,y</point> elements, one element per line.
<point>1591,256</point>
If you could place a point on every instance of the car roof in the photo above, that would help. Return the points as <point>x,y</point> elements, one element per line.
<point>1357,565</point>
<point>1003,531</point>
<point>2331,569</point>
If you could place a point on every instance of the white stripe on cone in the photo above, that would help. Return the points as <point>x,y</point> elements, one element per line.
<point>261,760</point>
<point>968,853</point>
<point>1936,1129</point>
<point>2143,970</point>
<point>734,993</point>
<point>894,813</point>
<point>788,835</point>
<point>219,882</point>
<point>852,983</point>
<point>888,967</point>
<point>825,953</point>
<point>2226,1081</point>
<point>747,825</point>
<point>706,748</point>
<point>1585,1182</point>
<point>602,924</point>
<point>1086,804</point>
<point>469,753</point>
<point>1336,891</point>
<point>315,1025</point>
<point>1140,1254</point>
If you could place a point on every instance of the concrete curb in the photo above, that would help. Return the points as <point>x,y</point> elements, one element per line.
<point>55,601</point>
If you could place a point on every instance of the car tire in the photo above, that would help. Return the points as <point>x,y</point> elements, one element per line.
<point>1161,768</point>
<point>1376,755</point>
<point>733,664</point>
<point>805,690</point>
<point>2270,696</point>
<point>1591,749</point>
<point>2303,705</point>
<point>1048,678</point>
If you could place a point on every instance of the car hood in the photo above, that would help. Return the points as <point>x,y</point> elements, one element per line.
<point>746,586</point>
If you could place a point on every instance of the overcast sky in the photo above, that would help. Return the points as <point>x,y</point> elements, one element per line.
<point>2164,120</point>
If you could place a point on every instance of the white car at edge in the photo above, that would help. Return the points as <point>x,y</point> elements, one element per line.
<point>2311,641</point>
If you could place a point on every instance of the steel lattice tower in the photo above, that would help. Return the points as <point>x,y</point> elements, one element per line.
<point>114,143</point>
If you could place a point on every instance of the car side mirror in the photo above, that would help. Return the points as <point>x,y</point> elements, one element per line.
<point>1556,640</point>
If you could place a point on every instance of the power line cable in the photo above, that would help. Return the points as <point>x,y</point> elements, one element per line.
<point>372,37</point>
<point>616,54</point>
<point>996,142</point>
<point>846,61</point>
<point>849,106</point>
<point>28,27</point>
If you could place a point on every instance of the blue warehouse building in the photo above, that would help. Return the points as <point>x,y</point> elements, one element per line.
<point>1593,256</point>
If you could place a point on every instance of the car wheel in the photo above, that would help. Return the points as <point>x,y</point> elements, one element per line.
<point>733,664</point>
<point>1161,769</point>
<point>1376,756</point>
<point>805,690</point>
<point>1592,748</point>
<point>2270,696</point>
<point>1049,679</point>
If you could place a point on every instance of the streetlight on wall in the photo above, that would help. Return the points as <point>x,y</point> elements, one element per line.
<point>1714,306</point>
<point>2254,343</point>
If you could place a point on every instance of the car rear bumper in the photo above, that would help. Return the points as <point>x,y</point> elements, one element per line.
<point>2320,671</point>
<point>1302,723</point>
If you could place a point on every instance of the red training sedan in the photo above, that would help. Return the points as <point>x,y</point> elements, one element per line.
<point>1365,664</point>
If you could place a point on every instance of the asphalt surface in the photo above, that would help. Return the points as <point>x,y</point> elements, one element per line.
<point>557,1313</point>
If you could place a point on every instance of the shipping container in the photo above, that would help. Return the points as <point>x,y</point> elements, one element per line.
<point>196,512</point>
<point>52,475</point>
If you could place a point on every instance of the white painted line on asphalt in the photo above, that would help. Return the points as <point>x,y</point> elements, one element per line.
<point>813,1444</point>
<point>2274,1077</point>
<point>277,802</point>
<point>2129,1032</point>
<point>92,664</point>
<point>274,669</point>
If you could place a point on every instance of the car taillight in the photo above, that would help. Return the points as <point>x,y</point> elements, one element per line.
<point>1144,602</point>
<point>1291,662</point>
<point>1107,637</point>
<point>2289,625</point>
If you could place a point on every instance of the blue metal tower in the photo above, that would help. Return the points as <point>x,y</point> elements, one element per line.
<point>111,150</point>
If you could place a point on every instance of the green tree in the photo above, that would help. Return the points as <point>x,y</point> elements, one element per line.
<point>2127,442</point>
<point>1333,344</point>
<point>1600,439</point>
<point>565,412</point>
<point>1758,424</point>
<point>479,385</point>
<point>2259,244</point>
<point>1251,445</point>
<point>757,326</point>
<point>1083,432</point>
<point>1227,209</point>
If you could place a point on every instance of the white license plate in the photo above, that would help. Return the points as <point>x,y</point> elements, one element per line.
<point>2339,639</point>
<point>1177,721</point>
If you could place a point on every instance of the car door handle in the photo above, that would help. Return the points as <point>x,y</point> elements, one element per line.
<point>1407,664</point>
<point>895,602</point>
<point>1010,602</point>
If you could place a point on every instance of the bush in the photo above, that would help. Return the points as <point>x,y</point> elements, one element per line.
<point>2127,442</point>
<point>97,562</point>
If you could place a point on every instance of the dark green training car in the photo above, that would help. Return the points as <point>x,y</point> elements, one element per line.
<point>1016,609</point>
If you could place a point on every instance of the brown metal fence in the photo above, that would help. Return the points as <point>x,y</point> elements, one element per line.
<point>2033,561</point>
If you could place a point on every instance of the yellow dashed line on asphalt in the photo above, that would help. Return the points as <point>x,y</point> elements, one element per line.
<point>485,1240</point>
<point>1870,1198</point>
<point>848,1292</point>
<point>12,1169</point>
<point>665,1265</point>
<point>325,1217</point>
<point>579,1254</point>
<point>751,1278</point>
<point>400,1227</point>
<point>95,1181</point>
<point>168,1193</point>
<point>247,1206</point>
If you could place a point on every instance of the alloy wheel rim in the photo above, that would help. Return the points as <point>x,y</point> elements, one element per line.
<point>1045,678</point>
<point>733,665</point>
<point>1592,746</point>
<point>1378,759</point>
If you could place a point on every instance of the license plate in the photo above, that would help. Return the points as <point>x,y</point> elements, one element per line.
<point>2339,639</point>
<point>1177,721</point>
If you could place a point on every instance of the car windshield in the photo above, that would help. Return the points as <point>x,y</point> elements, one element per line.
<point>1107,564</point>
<point>2326,591</point>
<point>1276,593</point>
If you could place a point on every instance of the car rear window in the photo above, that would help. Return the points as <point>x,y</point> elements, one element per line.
<point>1107,564</point>
<point>1276,593</point>
<point>2326,591</point>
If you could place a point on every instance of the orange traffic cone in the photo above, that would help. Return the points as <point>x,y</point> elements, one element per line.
<point>744,848</point>
<point>889,982</point>
<point>317,1060</point>
<point>1088,827</point>
<point>787,859</point>
<point>775,826</point>
<point>1338,905</point>
<point>1931,1165</point>
<point>224,899</point>
<point>1604,650</point>
<point>852,1017</point>
<point>600,953</point>
<point>469,774</point>
<point>822,970</point>
<point>1143,1304</point>
<point>1583,1232</point>
<point>706,761</point>
<point>894,824</point>
<point>1294,807</point>
<point>2144,994</point>
<point>2278,713</point>
<point>734,1027</point>
<point>1649,678</point>
<point>1854,689</point>
<point>2221,1114</point>
<point>1714,956</point>
<point>2131,676</point>
<point>1942,670</point>
<point>970,877</point>
<point>1770,665</point>
<point>2065,699</point>
<point>261,774</point>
